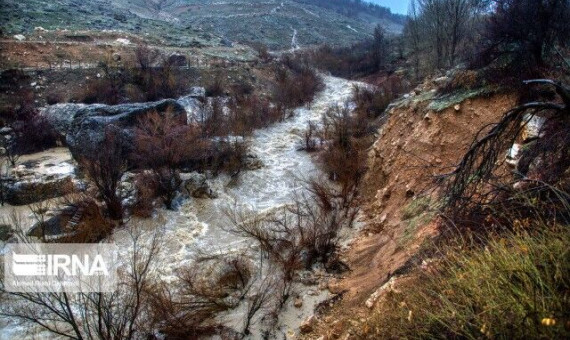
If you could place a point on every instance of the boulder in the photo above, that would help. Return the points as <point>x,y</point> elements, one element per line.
<point>193,107</point>
<point>86,132</point>
<point>177,59</point>
<point>195,185</point>
<point>27,192</point>
<point>60,116</point>
<point>308,325</point>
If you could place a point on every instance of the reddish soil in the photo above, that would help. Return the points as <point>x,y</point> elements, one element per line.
<point>414,146</point>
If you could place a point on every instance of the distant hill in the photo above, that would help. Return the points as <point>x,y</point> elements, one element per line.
<point>278,24</point>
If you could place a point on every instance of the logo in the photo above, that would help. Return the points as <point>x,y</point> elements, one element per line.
<point>60,267</point>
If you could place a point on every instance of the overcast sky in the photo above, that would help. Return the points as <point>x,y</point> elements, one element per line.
<point>397,6</point>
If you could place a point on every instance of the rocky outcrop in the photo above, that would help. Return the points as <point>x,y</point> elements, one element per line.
<point>27,192</point>
<point>196,185</point>
<point>83,126</point>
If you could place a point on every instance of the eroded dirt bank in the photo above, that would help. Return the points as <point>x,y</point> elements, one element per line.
<point>415,145</point>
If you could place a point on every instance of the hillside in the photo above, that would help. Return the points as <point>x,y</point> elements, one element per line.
<point>278,24</point>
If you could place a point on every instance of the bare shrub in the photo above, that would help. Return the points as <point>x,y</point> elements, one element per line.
<point>310,139</point>
<point>32,133</point>
<point>229,156</point>
<point>146,188</point>
<point>301,234</point>
<point>163,143</point>
<point>515,49</point>
<point>152,78</point>
<point>122,314</point>
<point>210,286</point>
<point>295,85</point>
<point>480,186</point>
<point>216,86</point>
<point>105,169</point>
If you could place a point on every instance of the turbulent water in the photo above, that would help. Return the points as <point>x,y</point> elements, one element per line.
<point>199,225</point>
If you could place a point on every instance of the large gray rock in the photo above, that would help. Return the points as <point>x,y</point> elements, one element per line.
<point>85,132</point>
<point>31,191</point>
<point>193,105</point>
<point>60,116</point>
<point>196,185</point>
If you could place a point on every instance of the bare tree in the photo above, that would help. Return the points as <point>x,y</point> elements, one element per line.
<point>437,29</point>
<point>105,169</point>
<point>119,315</point>
<point>523,33</point>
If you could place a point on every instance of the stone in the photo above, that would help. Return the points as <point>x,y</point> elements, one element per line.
<point>196,185</point>
<point>253,163</point>
<point>308,325</point>
<point>457,108</point>
<point>5,131</point>
<point>20,37</point>
<point>298,302</point>
<point>27,192</point>
<point>116,57</point>
<point>84,126</point>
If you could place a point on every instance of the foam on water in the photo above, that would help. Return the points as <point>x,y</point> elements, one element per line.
<point>200,225</point>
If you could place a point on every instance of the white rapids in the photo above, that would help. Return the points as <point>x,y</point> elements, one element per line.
<point>199,226</point>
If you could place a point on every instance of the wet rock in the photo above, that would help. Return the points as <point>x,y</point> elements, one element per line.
<point>6,232</point>
<point>177,59</point>
<point>308,325</point>
<point>196,185</point>
<point>253,163</point>
<point>86,132</point>
<point>31,191</point>
<point>5,131</point>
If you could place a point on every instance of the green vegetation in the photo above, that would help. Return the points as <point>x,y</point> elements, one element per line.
<point>515,287</point>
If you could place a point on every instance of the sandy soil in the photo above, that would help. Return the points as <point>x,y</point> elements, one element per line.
<point>413,147</point>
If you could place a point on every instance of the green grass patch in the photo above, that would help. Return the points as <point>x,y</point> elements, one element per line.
<point>515,287</point>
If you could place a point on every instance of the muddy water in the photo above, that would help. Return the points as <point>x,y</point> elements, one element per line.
<point>199,226</point>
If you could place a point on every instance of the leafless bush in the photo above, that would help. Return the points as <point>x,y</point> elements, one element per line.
<point>301,234</point>
<point>515,49</point>
<point>119,315</point>
<point>210,286</point>
<point>32,133</point>
<point>163,143</point>
<point>481,184</point>
<point>229,156</point>
<point>152,78</point>
<point>310,138</point>
<point>146,189</point>
<point>296,85</point>
<point>216,86</point>
<point>105,169</point>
